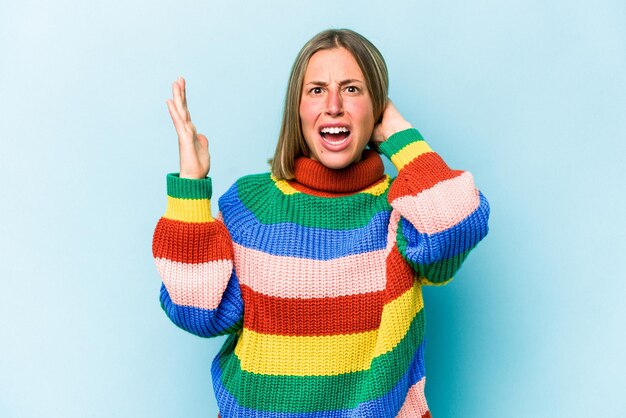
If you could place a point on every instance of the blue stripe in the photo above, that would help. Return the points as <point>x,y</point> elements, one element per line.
<point>291,239</point>
<point>225,319</point>
<point>428,248</point>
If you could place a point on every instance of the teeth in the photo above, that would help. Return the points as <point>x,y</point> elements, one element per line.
<point>334,130</point>
<point>335,142</point>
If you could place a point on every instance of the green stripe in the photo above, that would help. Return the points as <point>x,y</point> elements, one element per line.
<point>232,330</point>
<point>297,393</point>
<point>188,188</point>
<point>271,206</point>
<point>399,140</point>
<point>437,272</point>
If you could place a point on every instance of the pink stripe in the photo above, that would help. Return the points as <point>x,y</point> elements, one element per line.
<point>415,402</point>
<point>442,206</point>
<point>392,230</point>
<point>199,285</point>
<point>292,277</point>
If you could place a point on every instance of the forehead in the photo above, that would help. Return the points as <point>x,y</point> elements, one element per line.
<point>332,64</point>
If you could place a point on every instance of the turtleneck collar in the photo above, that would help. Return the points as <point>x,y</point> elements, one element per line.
<point>355,177</point>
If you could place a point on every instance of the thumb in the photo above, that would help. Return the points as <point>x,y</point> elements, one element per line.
<point>203,140</point>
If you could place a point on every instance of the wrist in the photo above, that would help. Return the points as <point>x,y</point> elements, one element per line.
<point>189,200</point>
<point>192,176</point>
<point>394,128</point>
<point>404,146</point>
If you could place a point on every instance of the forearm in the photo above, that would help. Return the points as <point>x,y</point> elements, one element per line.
<point>194,256</point>
<point>442,214</point>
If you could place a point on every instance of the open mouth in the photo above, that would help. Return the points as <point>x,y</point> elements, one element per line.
<point>335,135</point>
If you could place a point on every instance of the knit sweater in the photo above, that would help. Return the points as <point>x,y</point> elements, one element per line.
<point>317,280</point>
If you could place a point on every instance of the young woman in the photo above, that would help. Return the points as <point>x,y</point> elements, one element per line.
<point>314,270</point>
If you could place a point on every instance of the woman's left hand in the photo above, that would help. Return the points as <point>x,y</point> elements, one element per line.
<point>391,122</point>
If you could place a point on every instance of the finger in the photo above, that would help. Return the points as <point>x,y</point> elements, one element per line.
<point>377,135</point>
<point>184,128</point>
<point>183,84</point>
<point>183,95</point>
<point>178,122</point>
<point>178,100</point>
<point>184,91</point>
<point>203,140</point>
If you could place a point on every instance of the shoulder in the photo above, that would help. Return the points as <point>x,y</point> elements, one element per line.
<point>248,201</point>
<point>243,186</point>
<point>254,180</point>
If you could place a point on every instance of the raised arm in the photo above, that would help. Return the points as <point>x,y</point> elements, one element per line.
<point>193,148</point>
<point>193,251</point>
<point>439,213</point>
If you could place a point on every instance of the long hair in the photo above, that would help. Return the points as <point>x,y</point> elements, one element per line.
<point>291,143</point>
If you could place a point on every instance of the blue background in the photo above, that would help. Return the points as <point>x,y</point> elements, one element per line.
<point>529,96</point>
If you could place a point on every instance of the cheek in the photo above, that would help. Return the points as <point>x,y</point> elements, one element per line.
<point>306,115</point>
<point>305,118</point>
<point>360,107</point>
<point>307,121</point>
<point>363,114</point>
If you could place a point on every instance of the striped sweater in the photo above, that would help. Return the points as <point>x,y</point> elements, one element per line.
<point>317,280</point>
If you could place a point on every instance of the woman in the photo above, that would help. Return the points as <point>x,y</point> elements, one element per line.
<point>315,269</point>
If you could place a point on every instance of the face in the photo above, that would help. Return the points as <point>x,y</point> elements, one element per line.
<point>336,111</point>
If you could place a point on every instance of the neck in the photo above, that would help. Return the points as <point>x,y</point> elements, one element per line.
<point>353,178</point>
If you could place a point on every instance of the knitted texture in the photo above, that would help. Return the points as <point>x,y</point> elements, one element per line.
<point>317,280</point>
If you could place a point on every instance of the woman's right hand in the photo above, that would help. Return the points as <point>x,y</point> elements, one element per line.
<point>193,147</point>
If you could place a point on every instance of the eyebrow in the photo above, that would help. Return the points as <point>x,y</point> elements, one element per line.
<point>341,83</point>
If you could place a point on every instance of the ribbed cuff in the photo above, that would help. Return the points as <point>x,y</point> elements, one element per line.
<point>188,200</point>
<point>404,146</point>
<point>188,188</point>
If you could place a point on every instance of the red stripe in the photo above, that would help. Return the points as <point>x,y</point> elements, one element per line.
<point>326,316</point>
<point>319,193</point>
<point>188,242</point>
<point>420,174</point>
<point>319,316</point>
<point>352,178</point>
<point>400,275</point>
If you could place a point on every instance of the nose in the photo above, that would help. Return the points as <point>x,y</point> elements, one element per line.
<point>334,103</point>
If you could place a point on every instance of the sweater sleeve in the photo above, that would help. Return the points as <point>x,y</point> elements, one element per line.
<point>193,253</point>
<point>439,214</point>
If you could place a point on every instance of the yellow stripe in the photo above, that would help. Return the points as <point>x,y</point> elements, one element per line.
<point>397,317</point>
<point>409,153</point>
<point>284,187</point>
<point>188,210</point>
<point>423,280</point>
<point>376,190</point>
<point>379,189</point>
<point>329,355</point>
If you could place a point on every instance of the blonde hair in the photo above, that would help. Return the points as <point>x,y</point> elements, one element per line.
<point>291,143</point>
